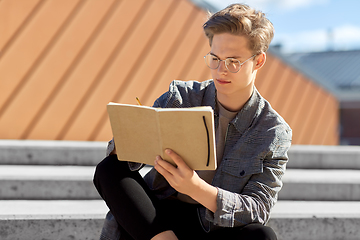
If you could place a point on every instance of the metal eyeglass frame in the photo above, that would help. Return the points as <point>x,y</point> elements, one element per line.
<point>226,61</point>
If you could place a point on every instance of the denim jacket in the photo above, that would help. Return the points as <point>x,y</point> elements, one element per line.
<point>254,160</point>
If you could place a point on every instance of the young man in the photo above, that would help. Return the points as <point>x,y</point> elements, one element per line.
<point>252,140</point>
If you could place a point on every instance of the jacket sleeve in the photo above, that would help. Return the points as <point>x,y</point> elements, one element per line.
<point>160,102</point>
<point>132,165</point>
<point>260,193</point>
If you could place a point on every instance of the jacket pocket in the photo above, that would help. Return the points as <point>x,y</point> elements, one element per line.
<point>242,167</point>
<point>237,172</point>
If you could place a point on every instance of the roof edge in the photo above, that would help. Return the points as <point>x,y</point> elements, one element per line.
<point>205,5</point>
<point>307,73</point>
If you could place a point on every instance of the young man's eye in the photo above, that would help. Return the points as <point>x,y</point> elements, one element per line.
<point>233,61</point>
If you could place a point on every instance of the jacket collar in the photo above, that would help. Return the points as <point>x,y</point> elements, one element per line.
<point>246,115</point>
<point>210,98</point>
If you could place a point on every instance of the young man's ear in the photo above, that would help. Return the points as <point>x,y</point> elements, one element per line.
<point>260,60</point>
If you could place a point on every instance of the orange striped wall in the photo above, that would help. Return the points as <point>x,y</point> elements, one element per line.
<point>312,113</point>
<point>62,61</point>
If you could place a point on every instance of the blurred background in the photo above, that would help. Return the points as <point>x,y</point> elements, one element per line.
<point>310,25</point>
<point>61,62</point>
<point>322,38</point>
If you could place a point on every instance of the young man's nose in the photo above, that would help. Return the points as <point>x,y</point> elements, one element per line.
<point>222,67</point>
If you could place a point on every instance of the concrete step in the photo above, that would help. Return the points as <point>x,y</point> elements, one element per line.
<point>35,152</point>
<point>75,182</point>
<point>48,182</point>
<point>33,220</point>
<point>321,185</point>
<point>316,220</point>
<point>324,157</point>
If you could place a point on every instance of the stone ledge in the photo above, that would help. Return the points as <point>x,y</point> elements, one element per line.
<point>39,152</point>
<point>47,182</point>
<point>326,228</point>
<point>324,157</point>
<point>89,209</point>
<point>52,209</point>
<point>75,182</point>
<point>32,220</point>
<point>316,220</point>
<point>36,229</point>
<point>321,185</point>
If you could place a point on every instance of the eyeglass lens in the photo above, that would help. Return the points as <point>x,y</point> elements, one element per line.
<point>232,64</point>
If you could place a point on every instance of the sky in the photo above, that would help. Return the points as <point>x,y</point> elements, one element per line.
<point>310,25</point>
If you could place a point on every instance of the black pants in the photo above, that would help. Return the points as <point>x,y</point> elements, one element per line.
<point>140,215</point>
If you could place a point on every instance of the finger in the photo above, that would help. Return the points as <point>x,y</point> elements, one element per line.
<point>161,170</point>
<point>176,158</point>
<point>165,169</point>
<point>166,174</point>
<point>165,164</point>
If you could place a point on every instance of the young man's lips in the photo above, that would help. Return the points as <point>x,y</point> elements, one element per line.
<point>221,81</point>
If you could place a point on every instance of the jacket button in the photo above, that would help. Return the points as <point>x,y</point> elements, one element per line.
<point>242,173</point>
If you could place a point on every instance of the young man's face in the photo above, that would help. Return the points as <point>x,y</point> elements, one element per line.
<point>230,84</point>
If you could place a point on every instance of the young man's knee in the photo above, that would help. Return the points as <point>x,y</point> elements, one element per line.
<point>258,231</point>
<point>104,169</point>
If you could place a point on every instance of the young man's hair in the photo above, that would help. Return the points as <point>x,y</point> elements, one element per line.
<point>242,20</point>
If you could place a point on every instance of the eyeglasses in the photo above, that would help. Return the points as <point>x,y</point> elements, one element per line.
<point>232,64</point>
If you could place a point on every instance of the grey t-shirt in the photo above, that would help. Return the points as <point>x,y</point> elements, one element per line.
<point>225,117</point>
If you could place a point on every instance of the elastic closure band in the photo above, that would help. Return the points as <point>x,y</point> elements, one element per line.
<point>208,142</point>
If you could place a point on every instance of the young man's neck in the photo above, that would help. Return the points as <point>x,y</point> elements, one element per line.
<point>235,102</point>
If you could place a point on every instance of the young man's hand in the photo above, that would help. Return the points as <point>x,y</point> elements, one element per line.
<point>186,181</point>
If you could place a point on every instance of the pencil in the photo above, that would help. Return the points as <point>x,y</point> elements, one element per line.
<point>138,101</point>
